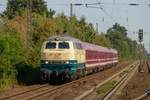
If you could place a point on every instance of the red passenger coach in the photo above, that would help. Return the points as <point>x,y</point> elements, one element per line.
<point>98,57</point>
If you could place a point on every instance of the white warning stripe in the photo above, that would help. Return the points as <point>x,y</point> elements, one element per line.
<point>101,64</point>
<point>102,59</point>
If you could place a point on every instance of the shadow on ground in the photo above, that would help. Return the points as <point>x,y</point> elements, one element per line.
<point>27,75</point>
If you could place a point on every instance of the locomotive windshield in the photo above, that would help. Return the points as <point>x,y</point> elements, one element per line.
<point>63,45</point>
<point>50,45</point>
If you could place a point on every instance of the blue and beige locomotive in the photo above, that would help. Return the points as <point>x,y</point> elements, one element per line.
<point>61,57</point>
<point>67,58</point>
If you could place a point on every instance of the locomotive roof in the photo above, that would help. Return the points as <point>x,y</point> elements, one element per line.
<point>85,45</point>
<point>63,38</point>
<point>89,46</point>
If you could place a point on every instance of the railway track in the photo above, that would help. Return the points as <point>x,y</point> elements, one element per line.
<point>118,79</point>
<point>24,92</point>
<point>121,82</point>
<point>147,91</point>
<point>148,67</point>
<point>45,90</point>
<point>145,95</point>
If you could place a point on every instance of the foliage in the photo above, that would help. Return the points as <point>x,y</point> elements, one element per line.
<point>102,40</point>
<point>125,46</point>
<point>106,87</point>
<point>10,55</point>
<point>7,73</point>
<point>17,8</point>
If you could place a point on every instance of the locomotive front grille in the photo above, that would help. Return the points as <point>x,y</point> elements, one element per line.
<point>57,62</point>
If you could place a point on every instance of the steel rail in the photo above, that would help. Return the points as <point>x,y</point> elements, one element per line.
<point>85,94</point>
<point>20,93</point>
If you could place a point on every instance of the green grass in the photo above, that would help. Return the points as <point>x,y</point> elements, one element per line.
<point>123,73</point>
<point>106,87</point>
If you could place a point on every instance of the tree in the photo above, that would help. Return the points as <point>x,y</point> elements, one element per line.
<point>117,28</point>
<point>51,13</point>
<point>102,40</point>
<point>17,7</point>
<point>118,36</point>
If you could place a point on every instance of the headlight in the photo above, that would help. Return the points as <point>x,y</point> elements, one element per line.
<point>67,62</point>
<point>46,62</point>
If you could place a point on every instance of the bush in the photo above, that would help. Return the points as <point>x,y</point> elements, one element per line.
<point>10,55</point>
<point>7,74</point>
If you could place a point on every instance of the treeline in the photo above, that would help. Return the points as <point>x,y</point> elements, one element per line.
<point>20,49</point>
<point>126,47</point>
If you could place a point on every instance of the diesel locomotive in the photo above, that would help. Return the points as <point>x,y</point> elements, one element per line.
<point>66,58</point>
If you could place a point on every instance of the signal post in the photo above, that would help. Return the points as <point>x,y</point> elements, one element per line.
<point>140,37</point>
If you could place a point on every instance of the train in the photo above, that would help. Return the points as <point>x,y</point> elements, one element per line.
<point>65,58</point>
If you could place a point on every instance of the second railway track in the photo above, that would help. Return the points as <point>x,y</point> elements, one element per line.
<point>117,80</point>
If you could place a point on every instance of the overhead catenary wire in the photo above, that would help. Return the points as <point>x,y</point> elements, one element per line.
<point>107,13</point>
<point>101,3</point>
<point>99,7</point>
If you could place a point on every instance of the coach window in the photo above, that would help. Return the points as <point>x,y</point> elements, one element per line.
<point>63,45</point>
<point>50,45</point>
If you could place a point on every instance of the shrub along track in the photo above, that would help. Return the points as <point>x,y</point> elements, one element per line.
<point>73,88</point>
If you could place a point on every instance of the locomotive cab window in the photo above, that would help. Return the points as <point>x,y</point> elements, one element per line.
<point>63,45</point>
<point>50,45</point>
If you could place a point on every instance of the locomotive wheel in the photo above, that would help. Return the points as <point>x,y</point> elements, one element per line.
<point>65,77</point>
<point>73,77</point>
<point>60,78</point>
<point>53,79</point>
<point>43,78</point>
<point>83,72</point>
<point>79,73</point>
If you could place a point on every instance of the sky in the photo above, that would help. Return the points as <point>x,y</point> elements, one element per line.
<point>132,17</point>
